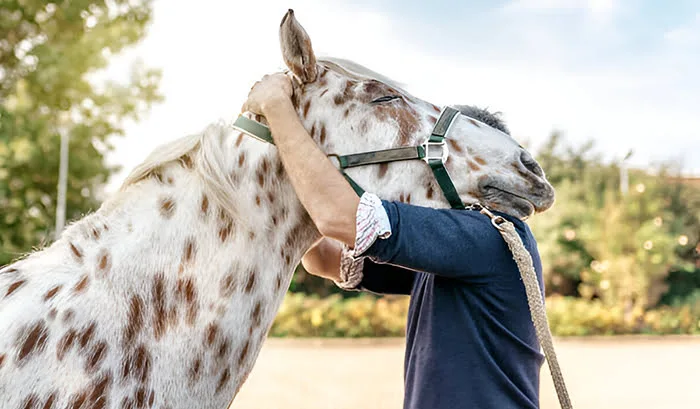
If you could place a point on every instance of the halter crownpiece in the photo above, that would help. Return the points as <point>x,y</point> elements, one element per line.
<point>433,151</point>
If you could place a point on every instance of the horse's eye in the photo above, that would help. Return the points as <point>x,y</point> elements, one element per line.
<point>385,99</point>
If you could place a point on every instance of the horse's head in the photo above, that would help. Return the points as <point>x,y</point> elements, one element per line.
<point>349,109</point>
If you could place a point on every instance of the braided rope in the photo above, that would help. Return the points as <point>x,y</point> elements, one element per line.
<point>537,310</point>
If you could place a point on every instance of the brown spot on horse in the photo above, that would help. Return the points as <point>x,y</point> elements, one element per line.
<point>223,380</point>
<point>383,168</point>
<point>322,136</point>
<point>228,285</point>
<point>32,340</point>
<point>187,291</point>
<point>455,146</point>
<point>225,231</point>
<point>66,343</point>
<point>204,206</point>
<point>77,253</point>
<point>30,402</point>
<point>479,160</point>
<point>195,370</point>
<point>190,250</point>
<point>166,207</point>
<point>97,355</point>
<point>68,316</point>
<point>250,284</point>
<point>103,263</point>
<point>256,314</point>
<point>50,400</point>
<point>211,333</point>
<point>160,314</point>
<point>87,335</point>
<point>244,353</point>
<point>187,162</point>
<point>347,94</point>
<point>473,122</point>
<point>134,322</point>
<point>81,285</point>
<point>14,287</point>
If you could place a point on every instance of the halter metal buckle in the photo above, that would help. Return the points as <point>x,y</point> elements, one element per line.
<point>432,155</point>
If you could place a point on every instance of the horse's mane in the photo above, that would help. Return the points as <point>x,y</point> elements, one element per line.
<point>354,69</point>
<point>209,162</point>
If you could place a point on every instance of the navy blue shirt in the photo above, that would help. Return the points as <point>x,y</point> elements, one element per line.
<point>470,341</point>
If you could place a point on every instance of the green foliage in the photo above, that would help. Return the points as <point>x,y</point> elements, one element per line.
<point>48,52</point>
<point>363,316</point>
<point>371,316</point>
<point>599,243</point>
<point>569,316</point>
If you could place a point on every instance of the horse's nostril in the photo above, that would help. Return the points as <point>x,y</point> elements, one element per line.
<point>531,164</point>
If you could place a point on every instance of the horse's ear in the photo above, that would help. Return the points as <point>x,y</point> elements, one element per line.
<point>296,47</point>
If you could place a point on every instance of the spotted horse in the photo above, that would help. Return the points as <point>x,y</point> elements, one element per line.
<point>163,297</point>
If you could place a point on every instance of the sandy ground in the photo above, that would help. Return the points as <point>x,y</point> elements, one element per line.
<point>618,373</point>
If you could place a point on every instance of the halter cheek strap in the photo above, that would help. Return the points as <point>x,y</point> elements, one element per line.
<point>434,152</point>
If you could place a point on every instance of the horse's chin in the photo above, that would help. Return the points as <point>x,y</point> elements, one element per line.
<point>508,203</point>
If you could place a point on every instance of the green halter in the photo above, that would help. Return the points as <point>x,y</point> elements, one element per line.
<point>426,152</point>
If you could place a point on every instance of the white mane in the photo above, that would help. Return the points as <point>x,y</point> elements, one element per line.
<point>209,163</point>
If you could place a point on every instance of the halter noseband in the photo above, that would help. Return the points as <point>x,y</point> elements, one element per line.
<point>433,151</point>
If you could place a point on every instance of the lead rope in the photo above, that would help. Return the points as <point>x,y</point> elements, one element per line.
<point>534,299</point>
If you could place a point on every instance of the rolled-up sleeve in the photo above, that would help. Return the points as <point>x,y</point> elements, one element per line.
<point>361,274</point>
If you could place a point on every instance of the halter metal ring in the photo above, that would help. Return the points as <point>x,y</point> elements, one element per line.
<point>431,155</point>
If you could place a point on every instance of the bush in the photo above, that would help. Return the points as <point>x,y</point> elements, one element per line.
<point>570,316</point>
<point>370,316</point>
<point>362,316</point>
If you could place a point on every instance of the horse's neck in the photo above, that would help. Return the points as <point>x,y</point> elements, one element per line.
<point>170,222</point>
<point>183,270</point>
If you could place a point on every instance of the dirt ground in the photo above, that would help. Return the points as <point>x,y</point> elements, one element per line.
<point>601,373</point>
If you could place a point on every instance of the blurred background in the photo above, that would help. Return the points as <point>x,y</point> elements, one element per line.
<point>605,93</point>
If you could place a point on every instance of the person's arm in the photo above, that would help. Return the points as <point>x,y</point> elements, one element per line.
<point>323,191</point>
<point>324,260</point>
<point>455,244</point>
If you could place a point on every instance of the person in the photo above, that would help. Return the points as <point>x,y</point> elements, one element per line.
<point>470,341</point>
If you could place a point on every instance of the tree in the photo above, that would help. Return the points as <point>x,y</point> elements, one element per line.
<point>597,242</point>
<point>48,51</point>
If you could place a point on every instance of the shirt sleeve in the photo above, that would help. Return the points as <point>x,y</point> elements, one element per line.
<point>356,271</point>
<point>458,244</point>
<point>385,279</point>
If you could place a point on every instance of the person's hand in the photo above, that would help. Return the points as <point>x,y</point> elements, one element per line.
<point>271,92</point>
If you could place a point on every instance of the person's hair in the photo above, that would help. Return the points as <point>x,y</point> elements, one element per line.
<point>481,114</point>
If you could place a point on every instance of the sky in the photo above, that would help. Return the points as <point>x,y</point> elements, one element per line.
<point>622,73</point>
